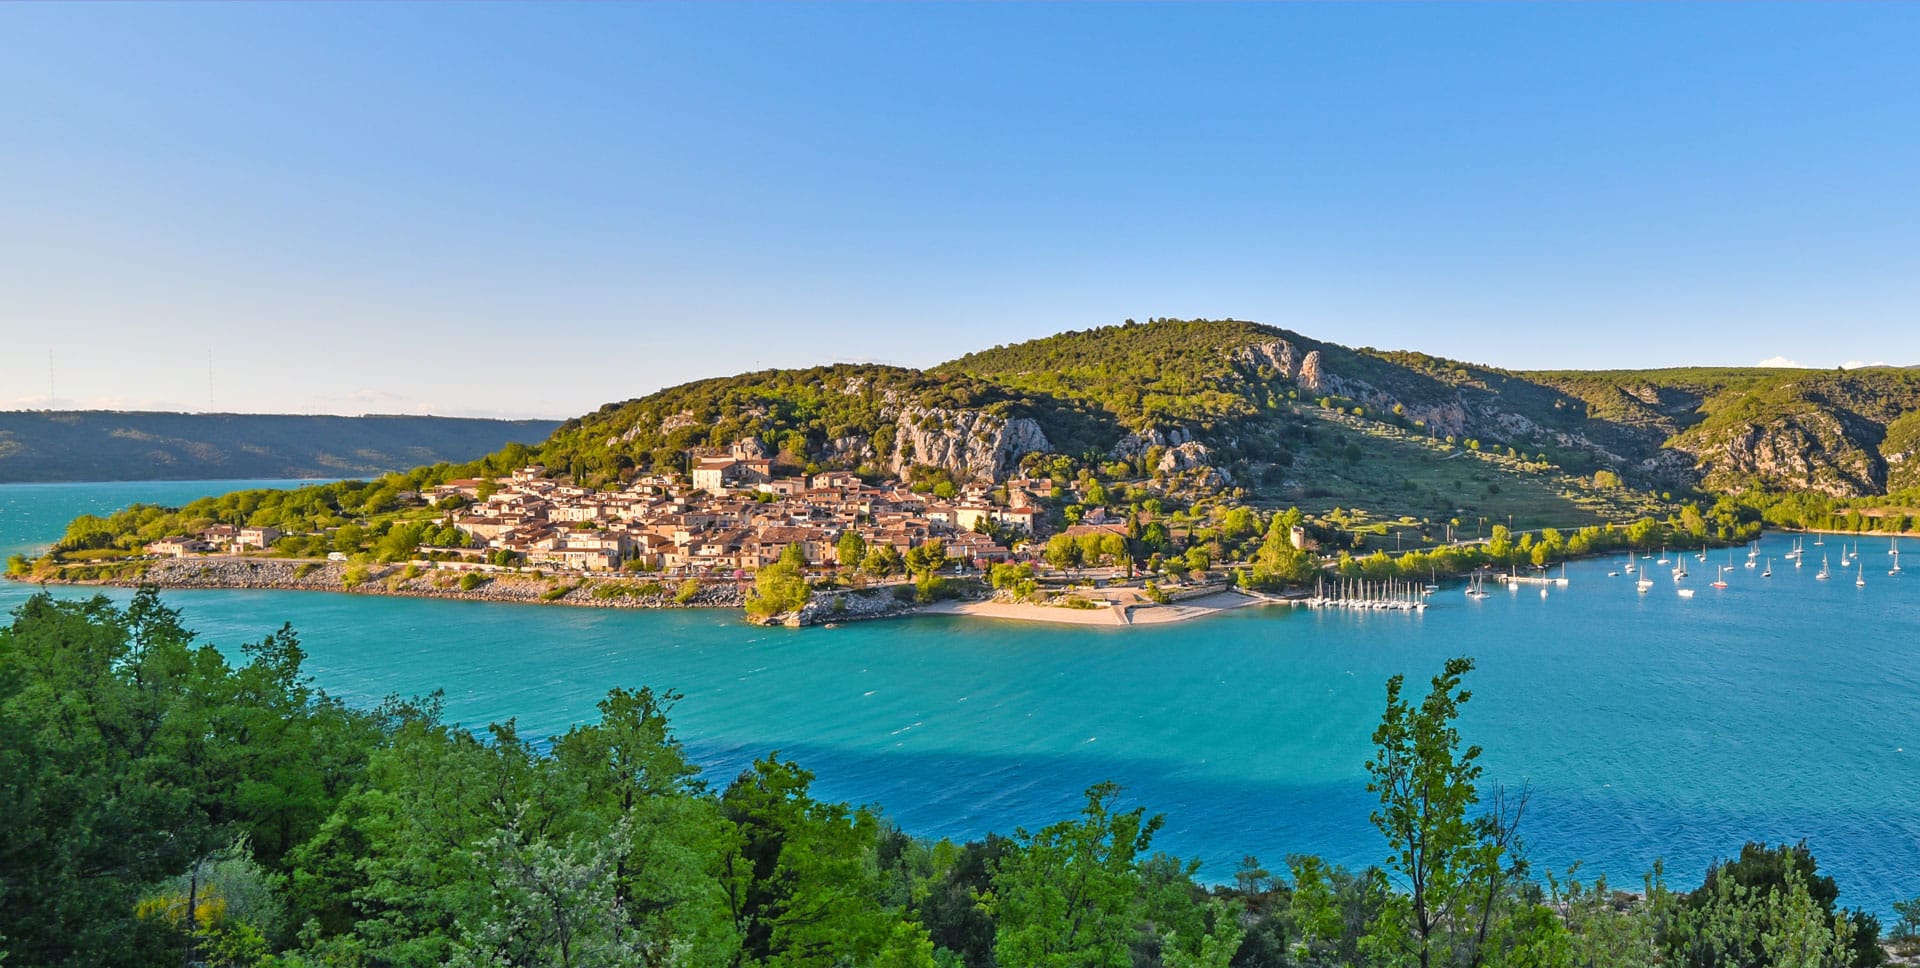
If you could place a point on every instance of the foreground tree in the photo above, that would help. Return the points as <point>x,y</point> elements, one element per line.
<point>1069,896</point>
<point>1457,868</point>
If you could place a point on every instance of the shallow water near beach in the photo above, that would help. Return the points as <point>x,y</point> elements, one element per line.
<point>1647,725</point>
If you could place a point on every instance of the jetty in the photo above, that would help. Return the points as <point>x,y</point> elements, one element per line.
<point>1390,595</point>
<point>1514,578</point>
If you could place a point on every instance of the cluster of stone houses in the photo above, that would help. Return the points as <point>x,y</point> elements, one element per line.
<point>216,539</point>
<point>733,516</point>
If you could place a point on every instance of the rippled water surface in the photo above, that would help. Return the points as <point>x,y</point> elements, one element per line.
<point>1647,725</point>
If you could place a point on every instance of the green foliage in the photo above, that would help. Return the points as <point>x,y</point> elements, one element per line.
<point>164,757</point>
<point>928,587</point>
<point>248,820</point>
<point>851,549</point>
<point>1452,865</point>
<point>796,880</point>
<point>688,591</point>
<point>797,411</point>
<point>1158,373</point>
<point>778,588</point>
<point>1771,906</point>
<point>1068,896</point>
<point>1279,562</point>
<point>472,580</point>
<point>882,561</point>
<point>924,559</point>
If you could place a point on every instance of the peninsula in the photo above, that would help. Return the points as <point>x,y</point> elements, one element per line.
<point>1100,471</point>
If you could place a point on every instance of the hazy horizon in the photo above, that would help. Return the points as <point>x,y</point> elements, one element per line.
<point>528,211</point>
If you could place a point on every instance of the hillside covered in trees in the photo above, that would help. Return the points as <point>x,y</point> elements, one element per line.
<point>106,445</point>
<point>1227,406</point>
<point>166,807</point>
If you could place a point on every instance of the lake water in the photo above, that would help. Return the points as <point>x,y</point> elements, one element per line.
<point>1647,725</point>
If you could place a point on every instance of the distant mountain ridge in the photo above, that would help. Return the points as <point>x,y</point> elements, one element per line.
<point>1236,404</point>
<point>95,445</point>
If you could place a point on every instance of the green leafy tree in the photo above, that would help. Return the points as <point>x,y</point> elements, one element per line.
<point>925,559</point>
<point>882,561</point>
<point>851,549</point>
<point>1452,864</point>
<point>798,878</point>
<point>1069,896</point>
<point>1278,562</point>
<point>780,587</point>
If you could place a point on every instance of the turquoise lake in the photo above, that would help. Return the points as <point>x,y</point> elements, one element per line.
<point>1648,726</point>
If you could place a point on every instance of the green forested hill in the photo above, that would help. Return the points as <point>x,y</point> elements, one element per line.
<point>104,445</point>
<point>1230,405</point>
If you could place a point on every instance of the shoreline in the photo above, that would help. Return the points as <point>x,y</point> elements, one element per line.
<point>242,573</point>
<point>278,574</point>
<point>1109,616</point>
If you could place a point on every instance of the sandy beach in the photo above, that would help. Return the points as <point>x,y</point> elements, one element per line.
<point>1140,614</point>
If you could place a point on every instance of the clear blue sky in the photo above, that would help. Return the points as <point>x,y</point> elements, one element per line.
<point>532,210</point>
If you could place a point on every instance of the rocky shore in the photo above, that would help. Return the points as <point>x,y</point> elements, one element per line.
<point>331,576</point>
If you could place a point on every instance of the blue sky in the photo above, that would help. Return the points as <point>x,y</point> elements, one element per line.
<point>497,209</point>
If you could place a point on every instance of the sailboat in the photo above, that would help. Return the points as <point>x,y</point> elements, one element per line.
<point>1630,566</point>
<point>1433,580</point>
<point>1663,556</point>
<point>1769,572</point>
<point>1686,593</point>
<point>1720,577</point>
<point>1562,580</point>
<point>1860,579</point>
<point>1703,553</point>
<point>1680,568</point>
<point>1753,550</point>
<point>1824,571</point>
<point>1819,540</point>
<point>1476,587</point>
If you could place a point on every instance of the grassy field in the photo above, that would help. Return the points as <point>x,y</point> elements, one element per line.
<point>1405,482</point>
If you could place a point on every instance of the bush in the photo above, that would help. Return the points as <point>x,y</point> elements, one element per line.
<point>688,589</point>
<point>928,587</point>
<point>609,590</point>
<point>356,573</point>
<point>471,580</point>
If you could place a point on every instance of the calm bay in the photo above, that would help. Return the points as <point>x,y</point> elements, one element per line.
<point>1647,725</point>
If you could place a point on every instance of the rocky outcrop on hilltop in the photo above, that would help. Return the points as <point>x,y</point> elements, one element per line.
<point>1184,457</point>
<point>967,443</point>
<point>1285,360</point>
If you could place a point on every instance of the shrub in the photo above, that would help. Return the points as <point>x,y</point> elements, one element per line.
<point>688,589</point>
<point>471,580</point>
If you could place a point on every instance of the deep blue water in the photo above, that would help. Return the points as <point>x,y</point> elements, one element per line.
<point>1648,726</point>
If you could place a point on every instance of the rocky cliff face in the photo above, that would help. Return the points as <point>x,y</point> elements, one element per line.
<point>1810,451</point>
<point>967,443</point>
<point>1285,360</point>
